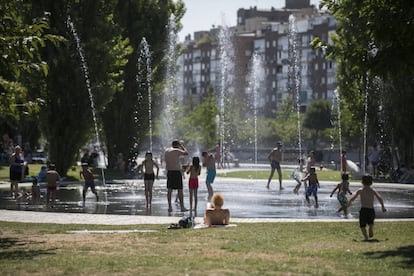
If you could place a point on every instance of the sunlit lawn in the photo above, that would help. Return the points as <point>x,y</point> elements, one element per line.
<point>297,248</point>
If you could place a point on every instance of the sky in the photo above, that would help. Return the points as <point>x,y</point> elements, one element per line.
<point>201,15</point>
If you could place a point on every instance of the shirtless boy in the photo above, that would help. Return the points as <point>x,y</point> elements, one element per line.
<point>367,212</point>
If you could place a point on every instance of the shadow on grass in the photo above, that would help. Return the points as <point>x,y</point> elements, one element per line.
<point>405,252</point>
<point>8,250</point>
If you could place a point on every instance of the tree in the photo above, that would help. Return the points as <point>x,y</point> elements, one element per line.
<point>21,66</point>
<point>317,118</point>
<point>374,40</point>
<point>66,118</point>
<point>124,131</point>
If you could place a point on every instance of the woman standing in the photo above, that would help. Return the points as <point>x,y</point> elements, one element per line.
<point>16,171</point>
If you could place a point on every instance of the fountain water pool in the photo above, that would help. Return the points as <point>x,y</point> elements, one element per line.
<point>245,199</point>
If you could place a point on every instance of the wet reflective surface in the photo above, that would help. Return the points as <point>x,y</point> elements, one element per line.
<point>244,198</point>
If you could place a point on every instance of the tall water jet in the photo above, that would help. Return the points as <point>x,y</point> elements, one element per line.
<point>84,67</point>
<point>337,103</point>
<point>168,116</point>
<point>256,77</point>
<point>295,74</point>
<point>144,81</point>
<point>226,68</point>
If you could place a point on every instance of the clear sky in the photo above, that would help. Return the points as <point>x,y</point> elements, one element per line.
<point>201,15</point>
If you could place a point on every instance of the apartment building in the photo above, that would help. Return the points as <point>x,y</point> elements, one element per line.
<point>283,45</point>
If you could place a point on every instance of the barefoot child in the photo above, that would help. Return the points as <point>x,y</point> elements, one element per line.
<point>194,170</point>
<point>343,189</point>
<point>147,169</point>
<point>367,212</point>
<point>89,182</point>
<point>313,186</point>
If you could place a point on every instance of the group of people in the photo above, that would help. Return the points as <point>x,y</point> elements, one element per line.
<point>175,171</point>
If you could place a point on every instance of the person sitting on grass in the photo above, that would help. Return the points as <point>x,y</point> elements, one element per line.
<point>367,212</point>
<point>214,214</point>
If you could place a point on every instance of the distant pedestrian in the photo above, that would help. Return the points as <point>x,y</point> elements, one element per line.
<point>17,169</point>
<point>87,175</point>
<point>313,185</point>
<point>194,170</point>
<point>52,179</point>
<point>211,172</point>
<point>343,190</point>
<point>174,176</point>
<point>147,168</point>
<point>374,160</point>
<point>367,212</point>
<point>275,158</point>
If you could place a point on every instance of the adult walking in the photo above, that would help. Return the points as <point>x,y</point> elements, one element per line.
<point>209,162</point>
<point>174,177</point>
<point>275,157</point>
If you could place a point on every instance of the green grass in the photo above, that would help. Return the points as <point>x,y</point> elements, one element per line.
<point>314,248</point>
<point>324,175</point>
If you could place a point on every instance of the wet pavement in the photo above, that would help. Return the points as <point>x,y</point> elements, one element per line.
<point>123,202</point>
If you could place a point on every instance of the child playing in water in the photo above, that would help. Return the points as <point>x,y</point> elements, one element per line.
<point>147,168</point>
<point>313,186</point>
<point>35,196</point>
<point>194,170</point>
<point>297,175</point>
<point>89,181</point>
<point>343,189</point>
<point>367,212</point>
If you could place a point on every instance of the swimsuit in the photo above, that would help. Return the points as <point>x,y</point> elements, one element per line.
<point>342,200</point>
<point>366,216</point>
<point>275,165</point>
<point>211,175</point>
<point>149,176</point>
<point>193,183</point>
<point>312,189</point>
<point>174,180</point>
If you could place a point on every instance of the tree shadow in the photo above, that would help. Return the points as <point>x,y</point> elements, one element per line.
<point>406,252</point>
<point>9,250</point>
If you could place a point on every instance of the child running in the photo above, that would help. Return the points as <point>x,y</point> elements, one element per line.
<point>343,189</point>
<point>147,168</point>
<point>313,186</point>
<point>87,174</point>
<point>194,170</point>
<point>367,212</point>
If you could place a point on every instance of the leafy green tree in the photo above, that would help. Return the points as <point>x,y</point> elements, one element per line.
<point>374,40</point>
<point>317,118</point>
<point>21,67</point>
<point>124,131</point>
<point>66,117</point>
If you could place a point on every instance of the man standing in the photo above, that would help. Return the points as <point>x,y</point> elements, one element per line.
<point>209,162</point>
<point>275,157</point>
<point>174,176</point>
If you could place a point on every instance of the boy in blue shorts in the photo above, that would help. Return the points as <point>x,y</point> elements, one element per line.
<point>313,186</point>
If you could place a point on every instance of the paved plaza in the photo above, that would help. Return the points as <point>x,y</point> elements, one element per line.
<point>122,202</point>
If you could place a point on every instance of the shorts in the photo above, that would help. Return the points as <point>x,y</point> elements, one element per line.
<point>89,184</point>
<point>174,180</point>
<point>275,165</point>
<point>193,183</point>
<point>342,200</point>
<point>211,175</point>
<point>15,175</point>
<point>312,190</point>
<point>51,188</point>
<point>366,216</point>
<point>149,176</point>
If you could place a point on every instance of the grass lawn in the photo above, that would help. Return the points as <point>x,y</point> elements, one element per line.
<point>73,174</point>
<point>313,248</point>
